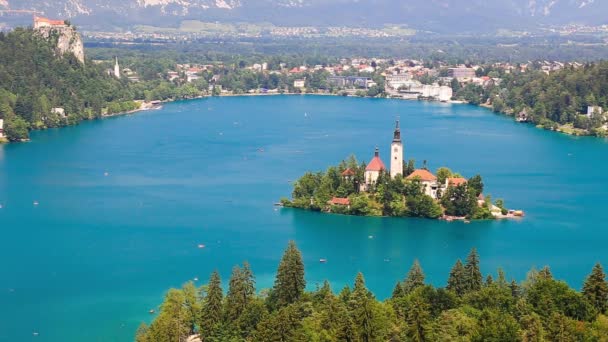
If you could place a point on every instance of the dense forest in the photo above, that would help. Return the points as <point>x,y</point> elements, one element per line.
<point>469,308</point>
<point>388,196</point>
<point>35,82</point>
<point>549,100</point>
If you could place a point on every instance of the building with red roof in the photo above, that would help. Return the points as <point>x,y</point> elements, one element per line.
<point>373,169</point>
<point>348,173</point>
<point>339,201</point>
<point>428,181</point>
<point>45,22</point>
<point>424,175</point>
<point>456,181</point>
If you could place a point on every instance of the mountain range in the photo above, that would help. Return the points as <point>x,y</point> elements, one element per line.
<point>435,15</point>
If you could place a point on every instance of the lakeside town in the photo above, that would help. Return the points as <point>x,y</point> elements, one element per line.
<point>497,86</point>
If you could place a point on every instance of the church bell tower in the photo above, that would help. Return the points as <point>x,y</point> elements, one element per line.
<point>396,153</point>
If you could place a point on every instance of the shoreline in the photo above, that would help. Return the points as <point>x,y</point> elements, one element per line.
<point>158,104</point>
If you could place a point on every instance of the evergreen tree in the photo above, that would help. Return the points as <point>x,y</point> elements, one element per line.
<point>289,284</point>
<point>361,303</point>
<point>515,290</point>
<point>236,299</point>
<point>489,280</point>
<point>473,279</point>
<point>398,291</point>
<point>595,288</point>
<point>457,281</point>
<point>414,279</point>
<point>418,318</point>
<point>211,312</point>
<point>345,327</point>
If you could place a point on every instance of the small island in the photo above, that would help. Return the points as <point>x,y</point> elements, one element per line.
<point>402,190</point>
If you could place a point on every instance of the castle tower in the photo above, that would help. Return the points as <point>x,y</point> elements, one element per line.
<point>396,153</point>
<point>116,69</point>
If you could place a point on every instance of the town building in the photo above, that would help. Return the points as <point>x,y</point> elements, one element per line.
<point>397,81</point>
<point>396,153</point>
<point>2,129</point>
<point>299,83</point>
<point>461,73</point>
<point>594,110</point>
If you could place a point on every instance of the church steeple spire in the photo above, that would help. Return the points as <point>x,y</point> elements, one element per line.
<point>396,152</point>
<point>397,134</point>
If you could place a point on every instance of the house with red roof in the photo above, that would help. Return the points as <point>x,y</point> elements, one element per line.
<point>348,174</point>
<point>455,181</point>
<point>428,181</point>
<point>339,201</point>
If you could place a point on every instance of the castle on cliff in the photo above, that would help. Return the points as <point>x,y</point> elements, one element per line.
<point>68,40</point>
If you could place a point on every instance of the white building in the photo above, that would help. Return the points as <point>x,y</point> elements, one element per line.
<point>299,83</point>
<point>396,153</point>
<point>428,181</point>
<point>397,81</point>
<point>59,111</point>
<point>373,169</point>
<point>116,69</point>
<point>2,128</point>
<point>594,110</point>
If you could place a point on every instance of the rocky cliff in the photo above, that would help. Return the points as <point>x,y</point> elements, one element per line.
<point>66,40</point>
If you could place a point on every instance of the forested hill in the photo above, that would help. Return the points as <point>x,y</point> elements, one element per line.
<point>558,100</point>
<point>34,80</point>
<point>469,308</point>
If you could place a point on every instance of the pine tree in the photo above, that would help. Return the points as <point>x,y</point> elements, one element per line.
<point>489,280</point>
<point>457,279</point>
<point>236,292</point>
<point>418,318</point>
<point>211,312</point>
<point>502,280</point>
<point>414,279</point>
<point>345,328</point>
<point>515,289</point>
<point>361,306</point>
<point>289,284</point>
<point>398,291</point>
<point>595,288</point>
<point>473,277</point>
<point>545,273</point>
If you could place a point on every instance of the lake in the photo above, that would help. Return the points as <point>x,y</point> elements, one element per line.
<point>124,202</point>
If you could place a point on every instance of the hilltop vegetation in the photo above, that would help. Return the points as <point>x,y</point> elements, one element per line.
<point>468,308</point>
<point>34,80</point>
<point>550,100</point>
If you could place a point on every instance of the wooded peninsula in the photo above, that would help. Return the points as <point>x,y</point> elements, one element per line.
<point>468,308</point>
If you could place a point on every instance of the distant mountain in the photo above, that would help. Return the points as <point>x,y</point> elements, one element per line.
<point>436,15</point>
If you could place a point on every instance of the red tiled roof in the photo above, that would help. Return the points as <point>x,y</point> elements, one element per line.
<point>348,172</point>
<point>375,164</point>
<point>457,181</point>
<point>423,174</point>
<point>48,21</point>
<point>339,201</point>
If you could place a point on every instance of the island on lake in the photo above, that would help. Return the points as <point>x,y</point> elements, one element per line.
<point>402,190</point>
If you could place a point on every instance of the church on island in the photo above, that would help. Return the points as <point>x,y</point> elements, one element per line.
<point>376,166</point>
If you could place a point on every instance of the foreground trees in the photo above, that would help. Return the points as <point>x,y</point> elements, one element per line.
<point>468,309</point>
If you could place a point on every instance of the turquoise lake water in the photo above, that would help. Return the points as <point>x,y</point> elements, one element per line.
<point>97,252</point>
